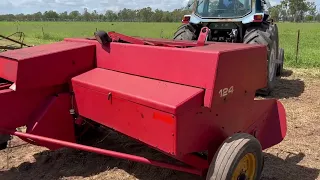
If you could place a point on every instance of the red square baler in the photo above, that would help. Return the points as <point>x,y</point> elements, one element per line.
<point>194,101</point>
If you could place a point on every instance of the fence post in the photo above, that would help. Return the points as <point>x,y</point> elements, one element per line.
<point>297,49</point>
<point>42,31</point>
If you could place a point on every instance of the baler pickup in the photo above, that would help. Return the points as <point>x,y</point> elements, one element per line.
<point>193,101</point>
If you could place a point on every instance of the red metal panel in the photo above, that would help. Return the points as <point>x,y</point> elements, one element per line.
<point>198,130</point>
<point>164,96</point>
<point>181,65</point>
<point>127,117</point>
<point>52,119</point>
<point>136,107</point>
<point>8,69</point>
<point>163,63</point>
<point>47,65</point>
<point>240,73</point>
<point>270,128</point>
<point>17,106</point>
<point>43,50</point>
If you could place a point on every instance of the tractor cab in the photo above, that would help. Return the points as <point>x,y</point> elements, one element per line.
<point>223,8</point>
<point>244,11</point>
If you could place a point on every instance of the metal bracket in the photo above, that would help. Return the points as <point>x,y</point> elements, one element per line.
<point>203,36</point>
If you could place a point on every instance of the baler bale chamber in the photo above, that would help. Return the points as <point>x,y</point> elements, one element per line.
<point>181,98</point>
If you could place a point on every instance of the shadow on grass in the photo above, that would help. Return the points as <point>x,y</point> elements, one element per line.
<point>69,163</point>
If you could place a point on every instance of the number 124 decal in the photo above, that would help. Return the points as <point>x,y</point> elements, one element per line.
<point>225,91</point>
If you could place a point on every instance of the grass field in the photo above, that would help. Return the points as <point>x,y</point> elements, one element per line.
<point>56,31</point>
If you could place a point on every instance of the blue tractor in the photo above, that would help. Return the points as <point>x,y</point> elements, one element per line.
<point>236,21</point>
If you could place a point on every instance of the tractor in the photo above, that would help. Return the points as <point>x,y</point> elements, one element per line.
<point>236,21</point>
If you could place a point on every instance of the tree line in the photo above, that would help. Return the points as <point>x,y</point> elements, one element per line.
<point>129,15</point>
<point>287,10</point>
<point>295,11</point>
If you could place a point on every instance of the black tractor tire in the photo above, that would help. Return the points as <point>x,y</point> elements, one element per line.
<point>281,59</point>
<point>265,35</point>
<point>4,138</point>
<point>234,151</point>
<point>275,36</point>
<point>185,32</point>
<point>3,145</point>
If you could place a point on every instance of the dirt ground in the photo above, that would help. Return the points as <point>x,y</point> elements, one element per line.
<point>296,158</point>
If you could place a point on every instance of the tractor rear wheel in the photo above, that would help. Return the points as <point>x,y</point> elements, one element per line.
<point>265,35</point>
<point>281,59</point>
<point>185,32</point>
<point>239,157</point>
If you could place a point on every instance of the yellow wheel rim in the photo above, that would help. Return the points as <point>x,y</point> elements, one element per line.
<point>246,168</point>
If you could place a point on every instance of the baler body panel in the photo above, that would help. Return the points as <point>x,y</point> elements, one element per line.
<point>142,108</point>
<point>176,100</point>
<point>196,66</point>
<point>46,65</point>
<point>8,69</point>
<point>223,71</point>
<point>32,80</point>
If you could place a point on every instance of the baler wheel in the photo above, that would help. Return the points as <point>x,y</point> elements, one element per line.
<point>238,158</point>
<point>3,145</point>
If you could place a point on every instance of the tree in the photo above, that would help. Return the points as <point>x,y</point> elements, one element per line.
<point>275,12</point>
<point>51,15</point>
<point>75,15</point>
<point>287,10</point>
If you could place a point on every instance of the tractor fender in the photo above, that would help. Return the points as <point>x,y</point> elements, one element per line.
<point>186,32</point>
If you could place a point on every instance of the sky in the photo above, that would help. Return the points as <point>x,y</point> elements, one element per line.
<point>33,6</point>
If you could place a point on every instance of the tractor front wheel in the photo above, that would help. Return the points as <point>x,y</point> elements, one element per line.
<point>185,32</point>
<point>238,158</point>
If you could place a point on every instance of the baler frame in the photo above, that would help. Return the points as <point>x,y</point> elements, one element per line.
<point>9,38</point>
<point>70,100</point>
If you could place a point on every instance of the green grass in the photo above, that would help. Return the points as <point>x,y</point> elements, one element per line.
<point>56,31</point>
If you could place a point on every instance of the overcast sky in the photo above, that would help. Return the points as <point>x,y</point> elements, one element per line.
<point>32,6</point>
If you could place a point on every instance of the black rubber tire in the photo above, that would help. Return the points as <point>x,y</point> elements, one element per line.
<point>264,35</point>
<point>280,65</point>
<point>230,153</point>
<point>4,138</point>
<point>185,32</point>
<point>3,145</point>
<point>275,35</point>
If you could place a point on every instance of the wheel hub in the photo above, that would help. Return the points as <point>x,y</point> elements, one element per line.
<point>242,176</point>
<point>246,168</point>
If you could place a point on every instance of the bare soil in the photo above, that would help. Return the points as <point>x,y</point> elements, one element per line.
<point>296,158</point>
